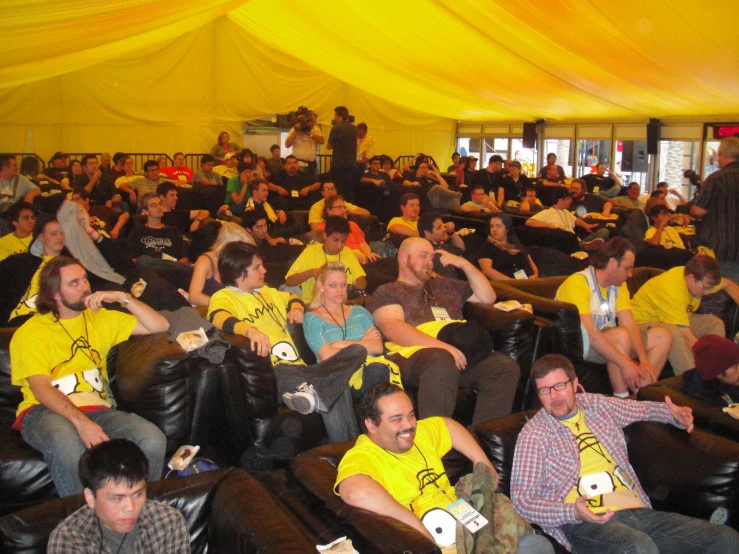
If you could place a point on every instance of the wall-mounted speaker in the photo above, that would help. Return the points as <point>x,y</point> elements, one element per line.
<point>529,135</point>
<point>653,136</point>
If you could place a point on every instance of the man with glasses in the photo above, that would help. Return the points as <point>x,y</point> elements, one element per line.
<point>670,301</point>
<point>601,296</point>
<point>589,498</point>
<point>328,189</point>
<point>100,187</point>
<point>416,314</point>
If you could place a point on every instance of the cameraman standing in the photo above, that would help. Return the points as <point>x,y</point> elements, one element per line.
<point>304,138</point>
<point>343,142</point>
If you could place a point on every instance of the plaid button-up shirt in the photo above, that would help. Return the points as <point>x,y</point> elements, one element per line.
<point>546,464</point>
<point>161,529</point>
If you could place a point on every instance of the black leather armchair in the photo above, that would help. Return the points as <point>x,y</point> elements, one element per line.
<point>150,377</point>
<point>706,415</point>
<point>227,511</point>
<point>266,434</point>
<point>695,474</point>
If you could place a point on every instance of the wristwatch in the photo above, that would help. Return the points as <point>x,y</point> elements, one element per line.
<point>127,301</point>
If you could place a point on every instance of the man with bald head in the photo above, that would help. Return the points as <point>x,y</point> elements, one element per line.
<point>436,350</point>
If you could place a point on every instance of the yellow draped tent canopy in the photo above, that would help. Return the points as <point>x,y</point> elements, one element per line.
<point>153,75</point>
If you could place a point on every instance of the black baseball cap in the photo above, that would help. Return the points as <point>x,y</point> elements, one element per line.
<point>495,158</point>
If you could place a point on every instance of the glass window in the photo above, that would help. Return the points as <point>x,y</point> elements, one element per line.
<point>527,157</point>
<point>675,156</point>
<point>710,163</point>
<point>492,146</point>
<point>467,146</point>
<point>562,148</point>
<point>590,153</point>
<point>631,161</point>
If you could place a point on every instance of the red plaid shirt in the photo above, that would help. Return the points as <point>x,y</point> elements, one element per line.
<point>546,464</point>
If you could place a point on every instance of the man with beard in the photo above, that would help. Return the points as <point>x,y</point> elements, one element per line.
<point>380,473</point>
<point>571,473</point>
<point>420,312</point>
<point>67,403</point>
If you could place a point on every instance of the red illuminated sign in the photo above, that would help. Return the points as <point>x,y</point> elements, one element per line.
<point>725,131</point>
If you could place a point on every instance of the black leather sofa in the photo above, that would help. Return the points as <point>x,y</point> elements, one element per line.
<point>561,332</point>
<point>273,433</point>
<point>227,512</point>
<point>149,375</point>
<point>706,415</point>
<point>696,474</point>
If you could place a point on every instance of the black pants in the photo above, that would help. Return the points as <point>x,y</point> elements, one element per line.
<point>345,179</point>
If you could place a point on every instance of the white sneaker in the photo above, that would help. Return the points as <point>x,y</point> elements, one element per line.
<point>304,400</point>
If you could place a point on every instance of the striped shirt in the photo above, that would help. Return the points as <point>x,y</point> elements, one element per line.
<point>720,228</point>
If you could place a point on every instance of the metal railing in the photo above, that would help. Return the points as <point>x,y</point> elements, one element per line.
<point>33,166</point>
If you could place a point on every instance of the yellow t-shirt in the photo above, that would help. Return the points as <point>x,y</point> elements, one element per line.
<point>27,304</point>
<point>265,310</point>
<point>11,244</point>
<point>314,257</point>
<point>416,479</point>
<point>665,298</point>
<point>412,225</point>
<point>575,290</point>
<point>124,180</point>
<point>601,479</point>
<point>315,215</point>
<point>73,355</point>
<point>670,238</point>
<point>267,209</point>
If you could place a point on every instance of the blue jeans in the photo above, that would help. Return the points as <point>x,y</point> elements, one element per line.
<point>58,441</point>
<point>646,531</point>
<point>534,544</point>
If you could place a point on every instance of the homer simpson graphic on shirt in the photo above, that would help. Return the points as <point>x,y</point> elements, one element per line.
<point>84,388</point>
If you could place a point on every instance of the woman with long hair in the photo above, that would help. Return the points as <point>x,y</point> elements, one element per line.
<point>205,277</point>
<point>502,257</point>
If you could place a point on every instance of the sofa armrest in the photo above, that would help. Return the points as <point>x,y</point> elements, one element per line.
<point>512,332</point>
<point>369,532</point>
<point>245,517</point>
<point>563,335</point>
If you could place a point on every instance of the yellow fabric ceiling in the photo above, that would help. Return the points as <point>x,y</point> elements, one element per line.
<point>143,75</point>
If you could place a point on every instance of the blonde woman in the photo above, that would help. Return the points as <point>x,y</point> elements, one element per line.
<point>205,277</point>
<point>330,325</point>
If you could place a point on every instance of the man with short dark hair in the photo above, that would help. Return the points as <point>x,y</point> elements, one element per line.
<point>117,516</point>
<point>585,203</point>
<point>118,168</point>
<point>14,187</point>
<point>609,331</point>
<point>22,216</point>
<point>59,170</point>
<point>492,179</point>
<point>407,223</point>
<point>302,188</point>
<point>631,200</point>
<point>670,301</point>
<point>515,183</point>
<point>304,271</point>
<point>151,180</point>
<point>417,311</point>
<point>206,177</point>
<point>529,201</point>
<point>479,202</point>
<point>274,162</point>
<point>342,142</point>
<point>598,183</point>
<point>374,186</point>
<point>551,173</point>
<point>380,472</point>
<point>154,238</point>
<point>100,187</point>
<point>559,217</point>
<point>589,498</point>
<point>67,404</point>
<point>455,163</point>
<point>187,221</point>
<point>179,171</point>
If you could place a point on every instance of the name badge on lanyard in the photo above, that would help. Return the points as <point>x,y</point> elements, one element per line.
<point>294,193</point>
<point>520,274</point>
<point>440,314</point>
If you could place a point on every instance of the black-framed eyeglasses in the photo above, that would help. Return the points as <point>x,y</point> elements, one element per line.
<point>543,391</point>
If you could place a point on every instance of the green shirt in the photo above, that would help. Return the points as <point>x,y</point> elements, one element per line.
<point>234,185</point>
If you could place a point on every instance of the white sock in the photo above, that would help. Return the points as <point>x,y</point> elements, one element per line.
<point>621,394</point>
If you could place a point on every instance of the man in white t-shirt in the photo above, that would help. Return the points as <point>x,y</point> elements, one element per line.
<point>304,139</point>
<point>559,217</point>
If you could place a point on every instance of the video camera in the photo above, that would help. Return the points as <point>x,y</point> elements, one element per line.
<point>299,118</point>
<point>693,177</point>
